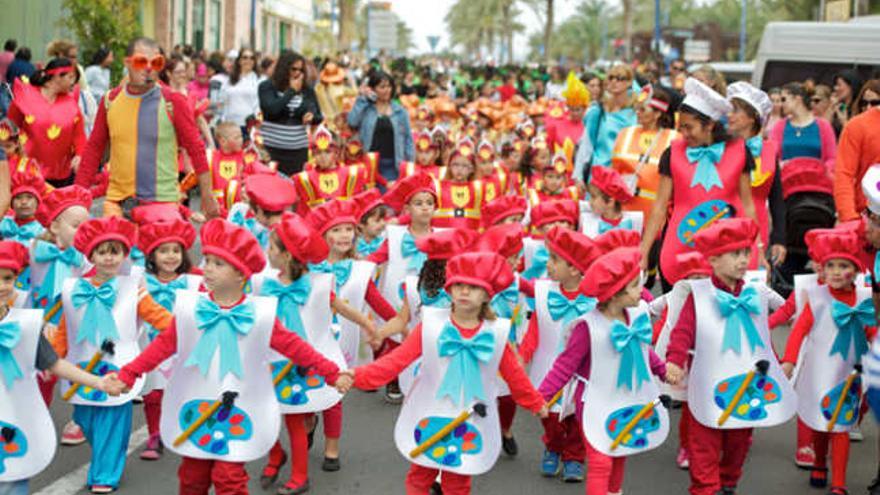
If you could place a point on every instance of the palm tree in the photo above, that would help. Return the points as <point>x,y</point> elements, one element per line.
<point>347,24</point>
<point>404,38</point>
<point>482,25</point>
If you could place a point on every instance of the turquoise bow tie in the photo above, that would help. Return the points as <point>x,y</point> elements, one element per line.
<point>737,311</point>
<point>97,323</point>
<point>409,250</point>
<point>439,300</point>
<point>504,302</point>
<point>164,293</point>
<point>341,270</point>
<point>251,224</point>
<point>561,307</point>
<point>851,322</point>
<point>365,248</point>
<point>10,335</point>
<point>706,157</point>
<point>22,234</point>
<point>61,262</point>
<point>539,263</point>
<point>462,381</point>
<point>291,299</point>
<point>755,145</point>
<point>136,256</point>
<point>628,341</point>
<point>625,224</point>
<point>220,329</point>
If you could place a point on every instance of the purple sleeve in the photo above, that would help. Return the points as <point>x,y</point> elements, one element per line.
<point>658,365</point>
<point>576,355</point>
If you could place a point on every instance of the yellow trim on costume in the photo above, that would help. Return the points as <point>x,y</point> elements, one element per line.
<point>351,181</point>
<point>311,200</point>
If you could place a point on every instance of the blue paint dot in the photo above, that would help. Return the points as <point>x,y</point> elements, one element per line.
<point>223,413</point>
<point>760,383</point>
<point>719,401</point>
<point>448,459</point>
<point>826,413</point>
<point>755,414</point>
<point>418,436</point>
<point>626,413</point>
<point>701,214</point>
<point>641,442</point>
<point>217,446</point>
<point>460,430</point>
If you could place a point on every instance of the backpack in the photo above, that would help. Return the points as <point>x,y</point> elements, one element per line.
<point>806,211</point>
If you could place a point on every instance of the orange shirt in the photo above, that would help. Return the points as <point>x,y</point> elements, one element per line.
<point>858,149</point>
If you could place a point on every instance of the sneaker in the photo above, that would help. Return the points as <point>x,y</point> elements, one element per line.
<point>550,464</point>
<point>838,491</point>
<point>509,446</point>
<point>72,434</point>
<point>393,395</point>
<point>270,472</point>
<point>727,490</point>
<point>102,489</point>
<point>435,489</point>
<point>683,460</point>
<point>153,450</point>
<point>805,457</point>
<point>855,435</point>
<point>330,464</point>
<point>293,489</point>
<point>572,471</point>
<point>819,477</point>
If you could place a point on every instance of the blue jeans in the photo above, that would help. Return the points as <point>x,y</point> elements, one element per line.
<point>388,169</point>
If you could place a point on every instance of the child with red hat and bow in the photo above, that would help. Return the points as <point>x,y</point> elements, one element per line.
<point>463,348</point>
<point>608,195</point>
<point>542,219</point>
<point>267,198</point>
<point>22,226</point>
<point>222,373</point>
<point>324,178</point>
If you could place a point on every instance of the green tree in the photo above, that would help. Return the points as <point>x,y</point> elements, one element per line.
<point>483,25</point>
<point>103,23</point>
<point>578,37</point>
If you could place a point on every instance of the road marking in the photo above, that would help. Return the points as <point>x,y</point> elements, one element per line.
<point>74,481</point>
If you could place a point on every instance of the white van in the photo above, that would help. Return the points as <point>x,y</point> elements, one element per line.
<point>796,51</point>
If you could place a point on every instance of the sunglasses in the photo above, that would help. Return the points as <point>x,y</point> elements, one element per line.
<point>871,103</point>
<point>618,78</point>
<point>677,67</point>
<point>141,62</point>
<point>296,69</point>
<point>247,57</point>
<point>816,100</point>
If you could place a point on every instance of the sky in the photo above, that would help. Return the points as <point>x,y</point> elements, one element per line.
<point>425,17</point>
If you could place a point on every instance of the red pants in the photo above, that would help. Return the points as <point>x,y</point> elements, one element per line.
<point>683,424</point>
<point>506,412</point>
<point>804,435</point>
<point>47,387</point>
<point>839,454</point>
<point>333,421</point>
<point>197,475</point>
<point>299,446</point>
<point>153,411</point>
<point>564,437</point>
<point>716,457</point>
<point>604,473</point>
<point>419,480</point>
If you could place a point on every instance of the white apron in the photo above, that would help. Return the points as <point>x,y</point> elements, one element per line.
<point>249,429</point>
<point>675,300</point>
<point>414,301</point>
<point>354,292</point>
<point>39,270</point>
<point>589,223</point>
<point>473,447</point>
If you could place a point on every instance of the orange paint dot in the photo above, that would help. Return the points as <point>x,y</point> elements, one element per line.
<point>203,407</point>
<point>11,448</point>
<point>423,423</point>
<point>313,382</point>
<point>769,396</point>
<point>468,446</point>
<point>826,401</point>
<point>236,430</point>
<point>723,387</point>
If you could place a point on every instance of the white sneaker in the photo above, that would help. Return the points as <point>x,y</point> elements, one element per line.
<point>855,435</point>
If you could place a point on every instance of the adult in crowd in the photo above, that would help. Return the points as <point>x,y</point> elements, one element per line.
<point>847,85</point>
<point>595,84</point>
<point>565,132</point>
<point>802,134</point>
<point>332,90</point>
<point>238,97</point>
<point>606,118</point>
<point>289,106</point>
<point>46,111</point>
<point>6,57</point>
<point>62,48</point>
<point>144,124</point>
<point>382,123</point>
<point>21,65</point>
<point>556,84</point>
<point>176,76</point>
<point>859,148</point>
<point>711,77</point>
<point>97,74</point>
<point>677,75</point>
<point>776,114</point>
<point>820,102</point>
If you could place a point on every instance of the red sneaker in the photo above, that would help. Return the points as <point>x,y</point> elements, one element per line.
<point>683,459</point>
<point>805,457</point>
<point>72,434</point>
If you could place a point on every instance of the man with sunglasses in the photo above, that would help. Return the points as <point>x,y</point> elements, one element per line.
<point>145,124</point>
<point>858,149</point>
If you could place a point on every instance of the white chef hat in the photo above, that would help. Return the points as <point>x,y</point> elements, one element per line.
<point>871,188</point>
<point>705,100</point>
<point>751,95</point>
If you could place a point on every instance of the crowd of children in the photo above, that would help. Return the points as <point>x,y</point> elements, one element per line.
<point>484,279</point>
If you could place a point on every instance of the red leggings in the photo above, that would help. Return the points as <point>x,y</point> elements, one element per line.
<point>506,412</point>
<point>564,437</point>
<point>153,410</point>
<point>804,435</point>
<point>419,480</point>
<point>839,454</point>
<point>683,425</point>
<point>716,457</point>
<point>47,387</point>
<point>197,475</point>
<point>604,473</point>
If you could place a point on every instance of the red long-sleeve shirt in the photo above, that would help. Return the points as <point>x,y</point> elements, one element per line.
<point>378,303</point>
<point>783,313</point>
<point>386,368</point>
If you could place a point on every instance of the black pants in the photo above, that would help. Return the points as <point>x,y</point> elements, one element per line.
<point>58,183</point>
<point>290,162</point>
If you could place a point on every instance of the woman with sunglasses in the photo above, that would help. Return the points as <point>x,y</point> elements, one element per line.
<point>47,112</point>
<point>238,97</point>
<point>859,149</point>
<point>802,134</point>
<point>289,106</point>
<point>820,102</point>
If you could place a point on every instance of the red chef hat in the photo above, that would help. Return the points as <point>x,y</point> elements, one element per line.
<point>332,213</point>
<point>152,235</point>
<point>691,263</point>
<point>366,201</point>
<point>610,273</point>
<point>609,181</point>
<point>814,248</point>
<point>575,248</point>
<point>94,231</point>
<point>618,238</point>
<point>505,239</point>
<point>488,271</point>
<point>805,175</point>
<point>156,212</point>
<point>302,241</point>
<point>565,210</point>
<point>60,199</point>
<point>837,244</point>
<point>272,193</point>
<point>502,207</point>
<point>13,256</point>
<point>404,189</point>
<point>445,244</point>
<point>724,236</point>
<point>26,182</point>
<point>234,244</point>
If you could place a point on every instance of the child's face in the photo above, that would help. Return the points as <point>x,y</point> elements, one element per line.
<point>460,169</point>
<point>266,219</point>
<point>486,168</point>
<point>25,205</point>
<point>731,265</point>
<point>513,160</point>
<point>553,181</point>
<point>629,296</point>
<point>600,203</point>
<point>839,273</point>
<point>340,238</point>
<point>468,297</point>
<point>64,226</point>
<point>278,257</point>
<point>107,258</point>
<point>220,275</point>
<point>7,284</point>
<point>516,218</point>
<point>325,159</point>
<point>421,207</point>
<point>560,270</point>
<point>540,159</point>
<point>230,142</point>
<point>426,157</point>
<point>374,225</point>
<point>169,256</point>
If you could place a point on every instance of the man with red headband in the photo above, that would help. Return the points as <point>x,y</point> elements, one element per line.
<point>144,124</point>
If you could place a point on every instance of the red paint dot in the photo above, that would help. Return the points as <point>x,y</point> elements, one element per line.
<point>204,439</point>
<point>236,419</point>
<point>612,426</point>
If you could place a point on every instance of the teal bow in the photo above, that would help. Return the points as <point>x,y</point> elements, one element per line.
<point>851,322</point>
<point>539,263</point>
<point>341,270</point>
<point>504,302</point>
<point>561,307</point>
<point>628,341</point>
<point>625,224</point>
<point>22,234</point>
<point>220,329</point>
<point>97,322</point>
<point>61,262</point>
<point>10,335</point>
<point>462,380</point>
<point>251,224</point>
<point>706,157</point>
<point>409,250</point>
<point>136,256</point>
<point>755,145</point>
<point>737,310</point>
<point>366,248</point>
<point>164,293</point>
<point>439,300</point>
<point>291,299</point>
